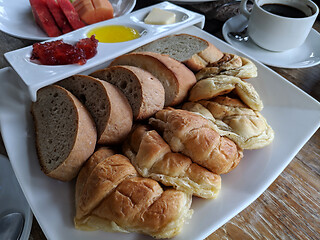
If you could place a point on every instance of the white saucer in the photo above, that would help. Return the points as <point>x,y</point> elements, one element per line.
<point>12,198</point>
<point>307,55</point>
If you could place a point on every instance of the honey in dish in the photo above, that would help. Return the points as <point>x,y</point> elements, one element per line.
<point>114,33</point>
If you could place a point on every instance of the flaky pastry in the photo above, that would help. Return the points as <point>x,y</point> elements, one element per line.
<point>110,196</point>
<point>230,65</point>
<point>233,119</point>
<point>193,135</point>
<point>221,84</point>
<point>152,157</point>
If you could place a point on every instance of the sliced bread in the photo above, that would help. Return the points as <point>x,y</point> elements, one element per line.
<point>64,130</point>
<point>193,51</point>
<point>175,77</point>
<point>144,91</point>
<point>108,106</point>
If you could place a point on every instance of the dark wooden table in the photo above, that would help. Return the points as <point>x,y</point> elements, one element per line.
<point>290,207</point>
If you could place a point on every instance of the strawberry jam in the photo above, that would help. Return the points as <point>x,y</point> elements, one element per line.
<point>61,53</point>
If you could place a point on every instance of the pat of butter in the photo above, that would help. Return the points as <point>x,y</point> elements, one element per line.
<point>158,16</point>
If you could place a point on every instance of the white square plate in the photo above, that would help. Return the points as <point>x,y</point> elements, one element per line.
<point>293,115</point>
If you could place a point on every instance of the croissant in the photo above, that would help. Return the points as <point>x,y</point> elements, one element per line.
<point>110,196</point>
<point>152,157</point>
<point>233,119</point>
<point>194,136</point>
<point>221,84</point>
<point>231,65</point>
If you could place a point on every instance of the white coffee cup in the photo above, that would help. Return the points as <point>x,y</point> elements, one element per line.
<point>277,33</point>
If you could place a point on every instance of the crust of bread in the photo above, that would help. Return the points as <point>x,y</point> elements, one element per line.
<point>144,91</point>
<point>113,117</point>
<point>84,139</point>
<point>175,77</point>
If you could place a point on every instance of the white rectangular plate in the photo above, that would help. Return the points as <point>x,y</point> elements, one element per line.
<point>36,76</point>
<point>293,115</point>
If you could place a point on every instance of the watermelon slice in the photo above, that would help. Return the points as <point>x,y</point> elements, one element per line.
<point>71,14</point>
<point>44,18</point>
<point>59,16</point>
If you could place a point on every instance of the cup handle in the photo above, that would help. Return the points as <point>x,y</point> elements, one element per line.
<point>243,9</point>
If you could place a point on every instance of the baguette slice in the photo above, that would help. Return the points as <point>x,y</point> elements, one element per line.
<point>175,77</point>
<point>65,132</point>
<point>193,51</point>
<point>144,92</point>
<point>108,106</point>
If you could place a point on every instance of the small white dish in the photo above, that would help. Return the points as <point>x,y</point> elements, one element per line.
<point>16,18</point>
<point>307,55</point>
<point>12,198</point>
<point>286,108</point>
<point>36,76</point>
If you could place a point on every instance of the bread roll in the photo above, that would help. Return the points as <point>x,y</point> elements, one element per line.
<point>144,91</point>
<point>233,119</point>
<point>65,132</point>
<point>194,136</point>
<point>152,157</point>
<point>111,197</point>
<point>175,77</point>
<point>193,51</point>
<point>108,106</point>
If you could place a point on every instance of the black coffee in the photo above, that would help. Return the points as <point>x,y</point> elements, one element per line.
<point>283,10</point>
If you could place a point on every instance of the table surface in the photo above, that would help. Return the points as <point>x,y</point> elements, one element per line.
<point>289,208</point>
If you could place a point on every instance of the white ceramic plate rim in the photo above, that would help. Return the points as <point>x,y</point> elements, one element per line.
<point>16,18</point>
<point>286,108</point>
<point>310,50</point>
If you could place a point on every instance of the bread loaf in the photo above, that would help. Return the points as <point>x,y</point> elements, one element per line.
<point>65,132</point>
<point>176,78</point>
<point>111,197</point>
<point>152,157</point>
<point>233,119</point>
<point>144,91</point>
<point>194,136</point>
<point>108,106</point>
<point>193,51</point>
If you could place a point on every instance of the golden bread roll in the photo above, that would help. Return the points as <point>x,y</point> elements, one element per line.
<point>152,157</point>
<point>111,197</point>
<point>233,119</point>
<point>194,136</point>
<point>231,65</point>
<point>222,84</point>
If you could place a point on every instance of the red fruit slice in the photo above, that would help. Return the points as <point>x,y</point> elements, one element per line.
<point>71,14</point>
<point>59,16</point>
<point>44,18</point>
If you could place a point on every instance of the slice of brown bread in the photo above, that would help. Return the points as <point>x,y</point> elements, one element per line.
<point>193,51</point>
<point>175,77</point>
<point>64,130</point>
<point>144,91</point>
<point>108,106</point>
